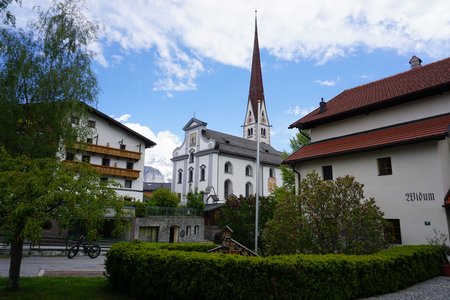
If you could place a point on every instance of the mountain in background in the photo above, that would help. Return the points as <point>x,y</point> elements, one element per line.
<point>152,175</point>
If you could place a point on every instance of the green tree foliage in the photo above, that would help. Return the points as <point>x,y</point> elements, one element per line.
<point>33,191</point>
<point>195,200</point>
<point>239,214</point>
<point>299,140</point>
<point>45,75</point>
<point>327,217</point>
<point>164,198</point>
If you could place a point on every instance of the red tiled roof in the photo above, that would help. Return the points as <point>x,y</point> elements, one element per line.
<point>406,133</point>
<point>415,83</point>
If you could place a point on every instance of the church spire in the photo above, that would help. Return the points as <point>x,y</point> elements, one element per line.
<point>255,94</point>
<point>256,84</point>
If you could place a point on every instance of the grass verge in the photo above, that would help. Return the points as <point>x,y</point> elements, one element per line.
<point>61,288</point>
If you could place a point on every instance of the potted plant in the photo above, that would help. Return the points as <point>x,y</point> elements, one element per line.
<point>440,240</point>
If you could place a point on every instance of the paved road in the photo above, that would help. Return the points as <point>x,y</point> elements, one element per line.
<point>437,288</point>
<point>47,266</point>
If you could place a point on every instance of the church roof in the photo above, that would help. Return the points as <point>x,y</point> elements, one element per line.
<point>234,145</point>
<point>256,91</point>
<point>429,129</point>
<point>416,83</point>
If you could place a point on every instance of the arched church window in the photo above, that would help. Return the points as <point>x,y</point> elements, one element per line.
<point>191,157</point>
<point>180,176</point>
<point>248,171</point>
<point>271,172</point>
<point>228,168</point>
<point>248,189</point>
<point>202,173</point>
<point>191,174</point>
<point>228,188</point>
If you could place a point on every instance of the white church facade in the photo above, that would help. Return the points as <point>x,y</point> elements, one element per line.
<point>220,164</point>
<point>393,136</point>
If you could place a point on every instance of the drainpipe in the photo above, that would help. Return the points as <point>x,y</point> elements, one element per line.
<point>298,178</point>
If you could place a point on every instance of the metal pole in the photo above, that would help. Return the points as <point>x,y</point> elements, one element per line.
<point>258,133</point>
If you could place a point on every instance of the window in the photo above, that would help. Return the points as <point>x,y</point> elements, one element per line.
<point>228,188</point>
<point>202,173</point>
<point>248,189</point>
<point>86,159</point>
<point>196,230</point>
<point>248,171</point>
<point>263,132</point>
<point>191,157</point>
<point>123,147</point>
<point>130,165</point>
<point>70,155</point>
<point>384,166</point>
<point>91,124</point>
<point>89,140</point>
<point>271,172</point>
<point>188,230</point>
<point>180,176</point>
<point>128,184</point>
<point>75,120</point>
<point>191,175</point>
<point>327,173</point>
<point>228,168</point>
<point>395,230</point>
<point>105,162</point>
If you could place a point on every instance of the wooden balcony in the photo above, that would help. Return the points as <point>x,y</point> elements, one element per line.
<point>105,170</point>
<point>108,151</point>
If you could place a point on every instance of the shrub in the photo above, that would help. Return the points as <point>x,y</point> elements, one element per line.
<point>169,271</point>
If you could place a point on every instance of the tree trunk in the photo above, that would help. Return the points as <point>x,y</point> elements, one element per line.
<point>16,260</point>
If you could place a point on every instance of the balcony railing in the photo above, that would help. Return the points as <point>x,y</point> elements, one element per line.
<point>106,170</point>
<point>108,151</point>
<point>173,211</point>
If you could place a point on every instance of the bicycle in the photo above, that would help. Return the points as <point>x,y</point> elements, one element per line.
<point>91,250</point>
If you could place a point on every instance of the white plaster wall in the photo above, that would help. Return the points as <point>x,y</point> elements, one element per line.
<point>416,169</point>
<point>414,110</point>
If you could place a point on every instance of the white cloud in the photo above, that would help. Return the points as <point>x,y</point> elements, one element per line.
<point>123,118</point>
<point>158,156</point>
<point>183,34</point>
<point>326,82</point>
<point>299,111</point>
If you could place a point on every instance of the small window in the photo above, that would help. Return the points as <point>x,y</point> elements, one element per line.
<point>384,166</point>
<point>228,168</point>
<point>105,162</point>
<point>89,141</point>
<point>188,230</point>
<point>202,173</point>
<point>263,132</point>
<point>327,173</point>
<point>196,230</point>
<point>248,189</point>
<point>75,120</point>
<point>271,172</point>
<point>180,176</point>
<point>228,188</point>
<point>86,159</point>
<point>104,179</point>
<point>70,155</point>
<point>91,124</point>
<point>395,231</point>
<point>191,157</point>
<point>130,165</point>
<point>128,184</point>
<point>191,175</point>
<point>123,147</point>
<point>248,171</point>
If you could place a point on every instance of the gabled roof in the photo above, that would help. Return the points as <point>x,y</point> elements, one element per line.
<point>434,128</point>
<point>194,123</point>
<point>234,145</point>
<point>256,91</point>
<point>147,142</point>
<point>416,83</point>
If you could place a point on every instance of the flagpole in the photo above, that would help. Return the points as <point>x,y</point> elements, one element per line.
<point>258,133</point>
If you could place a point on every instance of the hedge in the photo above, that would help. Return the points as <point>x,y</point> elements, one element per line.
<point>180,271</point>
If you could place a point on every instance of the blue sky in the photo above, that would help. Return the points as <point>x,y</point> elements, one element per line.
<point>159,63</point>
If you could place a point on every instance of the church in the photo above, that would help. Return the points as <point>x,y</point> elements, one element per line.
<point>218,164</point>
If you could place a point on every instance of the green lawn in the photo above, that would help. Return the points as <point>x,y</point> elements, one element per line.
<point>65,288</point>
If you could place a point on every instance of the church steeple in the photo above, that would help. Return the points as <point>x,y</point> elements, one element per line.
<point>256,93</point>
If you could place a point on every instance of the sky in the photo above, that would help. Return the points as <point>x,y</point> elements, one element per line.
<point>160,63</point>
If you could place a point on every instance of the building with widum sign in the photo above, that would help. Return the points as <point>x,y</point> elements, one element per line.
<point>393,136</point>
